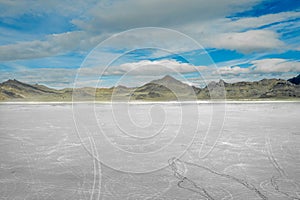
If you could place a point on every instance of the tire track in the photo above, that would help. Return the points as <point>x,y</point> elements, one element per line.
<point>204,193</point>
<point>279,169</point>
<point>272,159</point>
<point>198,189</point>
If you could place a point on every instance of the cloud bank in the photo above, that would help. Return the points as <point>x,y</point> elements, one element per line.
<point>159,67</point>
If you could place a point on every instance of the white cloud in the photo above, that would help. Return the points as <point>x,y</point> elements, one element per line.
<point>232,70</point>
<point>229,34</point>
<point>255,22</point>
<point>275,65</point>
<point>263,66</point>
<point>249,41</point>
<point>54,44</point>
<point>123,15</point>
<point>159,67</point>
<point>15,8</point>
<point>228,25</point>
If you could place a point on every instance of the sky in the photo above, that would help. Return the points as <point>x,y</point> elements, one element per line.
<point>110,42</point>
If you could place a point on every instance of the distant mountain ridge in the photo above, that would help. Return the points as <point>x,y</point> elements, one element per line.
<point>164,89</point>
<point>295,80</point>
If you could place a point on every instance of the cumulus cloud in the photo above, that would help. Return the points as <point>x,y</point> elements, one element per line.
<point>275,65</point>
<point>263,66</point>
<point>55,44</point>
<point>227,33</point>
<point>15,8</point>
<point>248,41</point>
<point>159,67</point>
<point>232,70</point>
<point>122,15</point>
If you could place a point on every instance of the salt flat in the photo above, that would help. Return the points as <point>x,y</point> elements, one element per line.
<point>241,150</point>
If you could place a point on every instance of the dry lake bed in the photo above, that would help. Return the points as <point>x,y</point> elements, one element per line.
<point>237,150</point>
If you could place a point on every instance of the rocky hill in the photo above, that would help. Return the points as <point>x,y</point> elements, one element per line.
<point>13,89</point>
<point>266,88</point>
<point>164,89</point>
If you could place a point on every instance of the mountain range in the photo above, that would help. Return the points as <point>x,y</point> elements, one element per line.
<point>164,89</point>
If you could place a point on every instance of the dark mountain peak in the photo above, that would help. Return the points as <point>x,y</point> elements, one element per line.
<point>169,83</point>
<point>14,83</point>
<point>295,80</point>
<point>168,77</point>
<point>166,80</point>
<point>222,82</point>
<point>10,81</point>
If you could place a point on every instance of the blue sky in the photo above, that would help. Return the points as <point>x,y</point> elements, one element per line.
<point>47,42</point>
